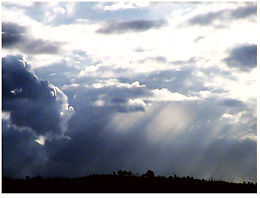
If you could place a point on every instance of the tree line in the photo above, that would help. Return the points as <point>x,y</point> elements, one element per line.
<point>124,182</point>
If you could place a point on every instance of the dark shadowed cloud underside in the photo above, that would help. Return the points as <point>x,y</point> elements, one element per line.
<point>14,36</point>
<point>113,27</point>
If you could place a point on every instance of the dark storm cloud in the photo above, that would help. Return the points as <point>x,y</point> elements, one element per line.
<point>32,102</point>
<point>12,34</point>
<point>225,14</point>
<point>21,155</point>
<point>243,57</point>
<point>15,36</point>
<point>96,146</point>
<point>118,27</point>
<point>225,153</point>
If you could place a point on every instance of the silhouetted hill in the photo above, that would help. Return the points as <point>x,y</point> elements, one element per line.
<point>123,182</point>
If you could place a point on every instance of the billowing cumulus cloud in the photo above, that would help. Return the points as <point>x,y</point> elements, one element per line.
<point>120,27</point>
<point>243,57</point>
<point>15,36</point>
<point>111,95</point>
<point>33,103</point>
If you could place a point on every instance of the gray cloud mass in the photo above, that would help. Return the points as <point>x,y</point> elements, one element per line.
<point>225,14</point>
<point>118,27</point>
<point>243,57</point>
<point>15,36</point>
<point>96,146</point>
<point>32,102</point>
<point>11,34</point>
<point>182,143</point>
<point>21,155</point>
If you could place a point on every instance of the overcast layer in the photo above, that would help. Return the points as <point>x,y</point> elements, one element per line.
<point>97,87</point>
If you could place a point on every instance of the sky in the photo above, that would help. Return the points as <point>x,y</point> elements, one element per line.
<point>91,88</point>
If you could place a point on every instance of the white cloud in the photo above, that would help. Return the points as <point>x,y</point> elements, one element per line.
<point>116,83</point>
<point>59,10</point>
<point>67,87</point>
<point>136,102</point>
<point>99,103</point>
<point>5,115</point>
<point>121,6</point>
<point>70,8</point>
<point>41,140</point>
<point>118,6</point>
<point>166,95</point>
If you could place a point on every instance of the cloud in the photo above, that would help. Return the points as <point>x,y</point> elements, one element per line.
<point>92,73</point>
<point>109,94</point>
<point>246,11</point>
<point>242,57</point>
<point>12,34</point>
<point>106,141</point>
<point>103,141</point>
<point>206,19</point>
<point>19,4</point>
<point>58,73</point>
<point>118,27</point>
<point>21,155</point>
<point>180,111</point>
<point>162,59</point>
<point>232,103</point>
<point>121,6</point>
<point>115,128</point>
<point>139,49</point>
<point>15,36</point>
<point>199,38</point>
<point>165,95</point>
<point>33,103</point>
<point>226,14</point>
<point>158,59</point>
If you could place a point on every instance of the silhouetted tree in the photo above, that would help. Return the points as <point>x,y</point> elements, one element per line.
<point>120,173</point>
<point>149,174</point>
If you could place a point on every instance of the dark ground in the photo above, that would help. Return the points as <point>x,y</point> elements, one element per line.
<point>123,182</point>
